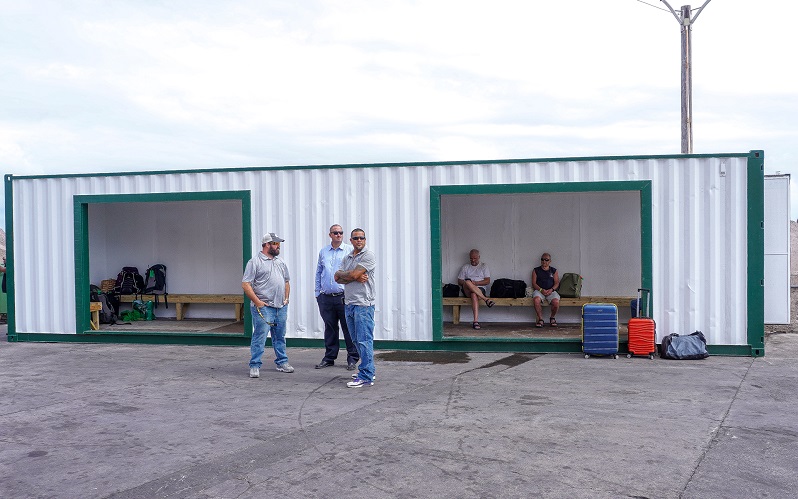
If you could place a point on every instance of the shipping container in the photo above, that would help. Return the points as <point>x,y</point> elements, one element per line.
<point>688,227</point>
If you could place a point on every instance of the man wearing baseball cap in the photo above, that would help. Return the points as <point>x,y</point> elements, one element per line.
<point>266,284</point>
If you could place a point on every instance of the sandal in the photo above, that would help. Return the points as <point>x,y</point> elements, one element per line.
<point>476,325</point>
<point>539,323</point>
<point>490,303</point>
<point>552,322</point>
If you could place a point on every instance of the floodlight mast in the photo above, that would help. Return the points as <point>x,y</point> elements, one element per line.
<point>686,20</point>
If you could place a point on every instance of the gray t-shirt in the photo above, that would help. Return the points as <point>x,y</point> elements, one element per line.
<point>360,293</point>
<point>267,276</point>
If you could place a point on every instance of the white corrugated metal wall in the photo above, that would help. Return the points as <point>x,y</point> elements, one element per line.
<point>699,233</point>
<point>777,249</point>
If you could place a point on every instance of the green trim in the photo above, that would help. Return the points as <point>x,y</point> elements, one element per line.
<point>10,294</point>
<point>537,345</point>
<point>82,291</point>
<point>436,267</point>
<point>756,252</point>
<point>246,255</point>
<point>164,338</point>
<point>647,240</point>
<point>735,350</point>
<point>382,165</point>
<point>463,345</point>
<point>81,220</point>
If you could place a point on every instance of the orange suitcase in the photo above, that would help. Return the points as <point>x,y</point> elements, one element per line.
<point>642,330</point>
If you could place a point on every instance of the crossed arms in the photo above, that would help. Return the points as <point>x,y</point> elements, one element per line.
<point>358,274</point>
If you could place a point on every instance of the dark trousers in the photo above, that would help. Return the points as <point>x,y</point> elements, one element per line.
<point>333,312</point>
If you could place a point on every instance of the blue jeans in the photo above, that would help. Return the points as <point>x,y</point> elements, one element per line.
<point>260,328</point>
<point>360,320</point>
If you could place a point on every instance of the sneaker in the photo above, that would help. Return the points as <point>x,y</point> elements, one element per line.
<point>357,383</point>
<point>254,372</point>
<point>285,367</point>
<point>354,376</point>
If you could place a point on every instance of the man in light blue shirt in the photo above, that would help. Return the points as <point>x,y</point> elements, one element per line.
<point>330,298</point>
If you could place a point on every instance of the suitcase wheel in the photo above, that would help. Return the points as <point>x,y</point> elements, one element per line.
<point>587,355</point>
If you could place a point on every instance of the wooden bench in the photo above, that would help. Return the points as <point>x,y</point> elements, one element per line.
<point>460,301</point>
<point>181,301</point>
<point>94,308</point>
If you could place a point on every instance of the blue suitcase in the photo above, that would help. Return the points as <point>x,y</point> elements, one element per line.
<point>600,329</point>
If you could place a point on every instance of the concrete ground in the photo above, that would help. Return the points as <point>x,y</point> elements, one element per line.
<point>147,421</point>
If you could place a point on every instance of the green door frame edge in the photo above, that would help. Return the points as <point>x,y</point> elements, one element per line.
<point>756,253</point>
<point>11,308</point>
<point>538,345</point>
<point>81,204</point>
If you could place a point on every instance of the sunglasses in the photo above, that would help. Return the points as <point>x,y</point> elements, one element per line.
<point>545,259</point>
<point>358,238</point>
<point>336,232</point>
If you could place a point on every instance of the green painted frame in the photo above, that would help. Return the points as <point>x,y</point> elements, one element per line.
<point>756,258</point>
<point>81,217</point>
<point>643,187</point>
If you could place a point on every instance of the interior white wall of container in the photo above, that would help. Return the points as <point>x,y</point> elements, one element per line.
<point>200,242</point>
<point>594,234</point>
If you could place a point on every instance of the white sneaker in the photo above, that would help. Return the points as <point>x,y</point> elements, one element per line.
<point>358,382</point>
<point>285,367</point>
<point>254,372</point>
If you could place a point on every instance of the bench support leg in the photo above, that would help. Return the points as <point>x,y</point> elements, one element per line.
<point>179,311</point>
<point>95,320</point>
<point>239,312</point>
<point>455,314</point>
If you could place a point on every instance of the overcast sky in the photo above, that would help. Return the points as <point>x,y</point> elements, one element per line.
<point>103,86</point>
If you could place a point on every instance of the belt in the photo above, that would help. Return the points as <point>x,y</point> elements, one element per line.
<point>333,294</point>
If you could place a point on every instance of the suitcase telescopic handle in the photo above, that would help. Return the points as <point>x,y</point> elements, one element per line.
<point>640,298</point>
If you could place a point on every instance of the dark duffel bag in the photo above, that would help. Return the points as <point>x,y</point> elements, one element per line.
<point>508,288</point>
<point>692,346</point>
<point>451,290</point>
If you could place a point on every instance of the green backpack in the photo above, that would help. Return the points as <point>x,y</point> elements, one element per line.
<point>570,286</point>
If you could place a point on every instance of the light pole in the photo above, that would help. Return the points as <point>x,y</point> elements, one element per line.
<point>686,20</point>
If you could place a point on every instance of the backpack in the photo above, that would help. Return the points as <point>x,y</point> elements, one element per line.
<point>129,282</point>
<point>508,288</point>
<point>692,346</point>
<point>570,285</point>
<point>451,290</point>
<point>155,283</point>
<point>107,314</point>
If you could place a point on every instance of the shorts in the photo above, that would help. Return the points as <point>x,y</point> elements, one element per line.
<point>546,299</point>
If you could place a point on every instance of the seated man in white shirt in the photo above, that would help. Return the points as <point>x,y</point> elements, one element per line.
<point>473,278</point>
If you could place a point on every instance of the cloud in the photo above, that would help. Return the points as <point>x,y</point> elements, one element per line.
<point>114,86</point>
